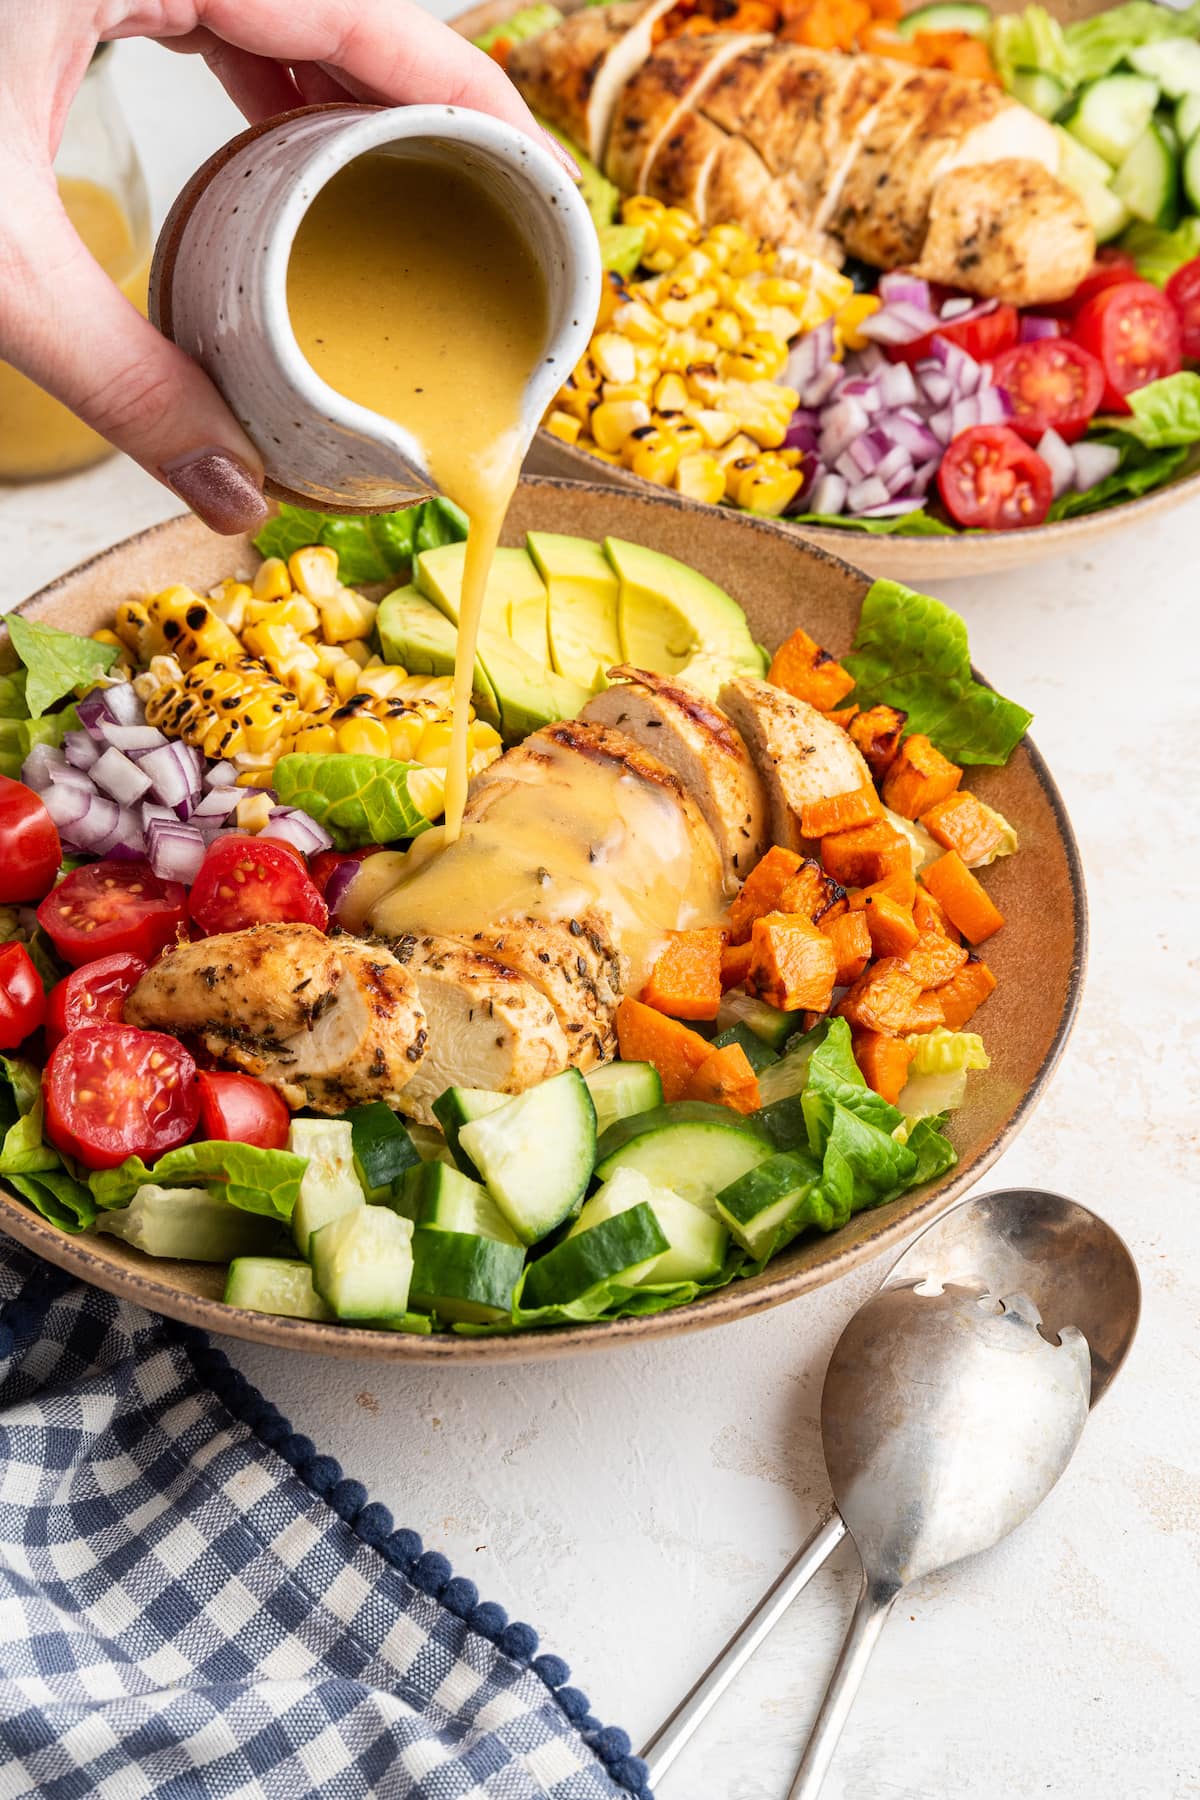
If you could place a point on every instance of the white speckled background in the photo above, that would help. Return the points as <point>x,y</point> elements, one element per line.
<point>633,1508</point>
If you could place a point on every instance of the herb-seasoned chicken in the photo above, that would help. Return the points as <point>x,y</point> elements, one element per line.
<point>800,754</point>
<point>330,1022</point>
<point>1010,228</point>
<point>578,91</point>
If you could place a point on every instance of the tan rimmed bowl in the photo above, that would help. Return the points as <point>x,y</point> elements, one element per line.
<point>782,582</point>
<point>920,561</point>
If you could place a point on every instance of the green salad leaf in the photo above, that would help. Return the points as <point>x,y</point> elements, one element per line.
<point>529,22</point>
<point>29,1165</point>
<point>12,694</point>
<point>358,799</point>
<point>911,651</point>
<point>1139,472</point>
<point>19,924</point>
<point>254,1180</point>
<point>1162,415</point>
<point>1031,39</point>
<point>383,1149</point>
<point>913,524</point>
<point>375,547</point>
<point>932,1148</point>
<point>1097,45</point>
<point>60,1199</point>
<point>56,662</point>
<point>1157,254</point>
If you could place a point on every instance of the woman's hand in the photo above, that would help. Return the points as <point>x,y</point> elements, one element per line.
<point>62,321</point>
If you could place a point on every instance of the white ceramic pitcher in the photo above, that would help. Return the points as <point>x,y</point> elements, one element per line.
<point>218,286</point>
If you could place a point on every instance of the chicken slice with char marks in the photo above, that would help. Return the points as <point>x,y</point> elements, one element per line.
<point>574,965</point>
<point>800,755</point>
<point>1011,228</point>
<point>573,77</point>
<point>330,1022</point>
<point>668,85</point>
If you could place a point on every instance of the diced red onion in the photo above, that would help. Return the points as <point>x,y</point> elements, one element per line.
<point>125,839</point>
<point>809,356</point>
<point>823,385</point>
<point>867,392</point>
<point>68,804</point>
<point>899,323</point>
<point>955,306</point>
<point>869,359</point>
<point>339,884</point>
<point>122,706</point>
<point>1058,459</point>
<point>130,737</point>
<point>1034,327</point>
<point>292,826</point>
<point>898,385</point>
<point>843,422</point>
<point>962,370</point>
<point>910,434</point>
<point>942,426</point>
<point>93,710</point>
<point>220,774</point>
<point>37,771</point>
<point>924,473</point>
<point>995,407</point>
<point>965,309</point>
<point>801,437</point>
<point>176,850</point>
<point>172,773</point>
<point>218,803</point>
<point>893,509</point>
<point>92,829</point>
<point>895,470</point>
<point>124,780</point>
<point>80,750</point>
<point>1094,463</point>
<point>151,810</point>
<point>868,493</point>
<point>936,386</point>
<point>828,493</point>
<point>897,288</point>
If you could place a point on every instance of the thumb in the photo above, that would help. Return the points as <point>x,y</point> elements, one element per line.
<point>69,328</point>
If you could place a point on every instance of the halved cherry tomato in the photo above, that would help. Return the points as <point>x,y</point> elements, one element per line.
<point>253,881</point>
<point>1110,269</point>
<point>1053,384</point>
<point>1183,291</point>
<point>1133,332</point>
<point>322,865</point>
<point>240,1110</point>
<point>30,853</point>
<point>984,338</point>
<point>108,907</point>
<point>113,1091</point>
<point>22,996</point>
<point>991,478</point>
<point>93,995</point>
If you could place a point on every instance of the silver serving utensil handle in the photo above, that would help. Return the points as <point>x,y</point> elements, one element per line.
<point>696,1705</point>
<point>870,1615</point>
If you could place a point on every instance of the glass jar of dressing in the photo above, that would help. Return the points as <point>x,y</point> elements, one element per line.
<point>101,186</point>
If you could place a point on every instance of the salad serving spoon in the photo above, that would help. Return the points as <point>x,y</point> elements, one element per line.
<point>922,1416</point>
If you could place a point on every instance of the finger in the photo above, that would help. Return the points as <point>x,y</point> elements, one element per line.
<point>258,87</point>
<point>70,329</point>
<point>319,86</point>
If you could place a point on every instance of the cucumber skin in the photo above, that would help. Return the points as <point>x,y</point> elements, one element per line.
<point>459,1276</point>
<point>759,1054</point>
<point>675,1112</point>
<point>581,1263</point>
<point>503,1166</point>
<point>353,1291</point>
<point>294,1296</point>
<point>614,1083</point>
<point>946,15</point>
<point>452,1112</point>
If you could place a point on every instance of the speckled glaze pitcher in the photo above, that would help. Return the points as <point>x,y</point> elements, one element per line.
<point>218,285</point>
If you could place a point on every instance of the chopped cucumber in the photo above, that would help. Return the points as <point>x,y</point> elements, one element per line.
<point>759,1203</point>
<point>691,1148</point>
<point>1089,176</point>
<point>192,1224</point>
<point>329,1186</point>
<point>1191,174</point>
<point>456,1108</point>
<point>430,1144</point>
<point>789,1076</point>
<point>1147,182</point>
<point>443,1199</point>
<point>535,1153</point>
<point>461,1276</point>
<point>696,1242</point>
<point>383,1149</point>
<point>759,1055</point>
<point>1040,92</point>
<point>947,15</point>
<point>1187,118</point>
<point>623,1247</point>
<point>273,1284</point>
<point>1174,63</point>
<point>362,1263</point>
<point>1111,114</point>
<point>620,1089</point>
<point>766,1022</point>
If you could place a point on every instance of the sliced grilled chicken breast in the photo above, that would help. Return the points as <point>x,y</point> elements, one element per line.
<point>666,86</point>
<point>682,165</point>
<point>686,731</point>
<point>865,189</point>
<point>330,1022</point>
<point>869,85</point>
<point>575,967</point>
<point>573,74</point>
<point>1010,229</point>
<point>800,755</point>
<point>487,1026</point>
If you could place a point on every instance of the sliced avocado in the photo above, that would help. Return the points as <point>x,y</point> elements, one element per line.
<point>515,605</point>
<point>675,621</point>
<point>414,634</point>
<point>584,635</point>
<point>530,695</point>
<point>621,247</point>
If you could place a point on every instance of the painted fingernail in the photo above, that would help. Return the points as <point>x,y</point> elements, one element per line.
<point>562,155</point>
<point>219,488</point>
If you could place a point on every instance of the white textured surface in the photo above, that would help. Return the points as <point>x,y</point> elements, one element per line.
<point>634,1507</point>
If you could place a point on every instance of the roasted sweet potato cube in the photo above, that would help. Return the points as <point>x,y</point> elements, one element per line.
<point>963,899</point>
<point>812,893</point>
<point>726,1078</point>
<point>761,891</point>
<point>899,885</point>
<point>934,959</point>
<point>930,915</point>
<point>866,855</point>
<point>645,1035</point>
<point>793,965</point>
<point>919,777</point>
<point>889,922</point>
<point>843,716</point>
<point>735,964</point>
<point>888,998</point>
<point>851,942</point>
<point>883,1061</point>
<point>839,812</point>
<point>877,733</point>
<point>685,981</point>
<point>803,669</point>
<point>965,993</point>
<point>962,822</point>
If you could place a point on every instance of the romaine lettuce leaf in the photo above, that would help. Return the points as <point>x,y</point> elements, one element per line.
<point>933,1150</point>
<point>913,524</point>
<point>1031,39</point>
<point>912,652</point>
<point>1158,254</point>
<point>374,547</point>
<point>358,799</point>
<point>1162,415</point>
<point>528,22</point>
<point>60,1199</point>
<point>56,662</point>
<point>1096,45</point>
<point>940,1051</point>
<point>1140,471</point>
<point>257,1181</point>
<point>21,924</point>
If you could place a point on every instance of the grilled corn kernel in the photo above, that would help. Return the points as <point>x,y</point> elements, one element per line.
<point>769,489</point>
<point>614,357</point>
<point>132,625</point>
<point>586,375</point>
<point>654,457</point>
<point>254,812</point>
<point>671,394</point>
<point>345,678</point>
<point>850,317</point>
<point>110,638</point>
<point>604,456</point>
<point>258,778</point>
<point>714,426</point>
<point>561,425</point>
<point>381,681</point>
<point>359,649</point>
<point>315,740</point>
<point>613,421</point>
<point>315,572</point>
<point>346,616</point>
<point>363,736</point>
<point>434,747</point>
<point>404,734</point>
<point>701,477</point>
<point>271,580</point>
<point>575,402</point>
<point>427,791</point>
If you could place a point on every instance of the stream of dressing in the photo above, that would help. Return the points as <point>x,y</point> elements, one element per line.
<point>410,292</point>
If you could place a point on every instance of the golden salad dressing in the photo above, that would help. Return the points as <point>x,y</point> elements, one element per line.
<point>411,293</point>
<point>38,436</point>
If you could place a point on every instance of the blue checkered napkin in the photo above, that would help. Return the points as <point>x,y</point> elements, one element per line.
<point>194,1604</point>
